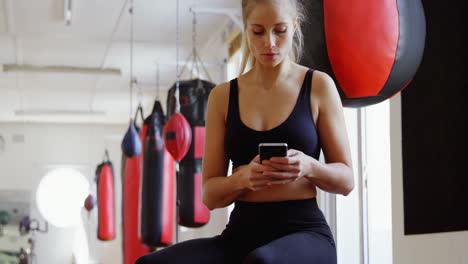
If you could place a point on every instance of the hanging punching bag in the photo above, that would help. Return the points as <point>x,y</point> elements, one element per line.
<point>131,144</point>
<point>133,248</point>
<point>89,203</point>
<point>371,48</point>
<point>193,101</point>
<point>106,201</point>
<point>177,136</point>
<point>157,204</point>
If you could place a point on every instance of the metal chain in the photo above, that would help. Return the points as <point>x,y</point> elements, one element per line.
<point>196,60</point>
<point>130,10</point>
<point>157,81</point>
<point>177,103</point>
<point>139,91</point>
<point>133,78</point>
<point>194,45</point>
<point>194,31</point>
<point>135,81</point>
<point>177,110</point>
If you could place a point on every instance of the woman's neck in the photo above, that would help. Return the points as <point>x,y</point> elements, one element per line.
<point>269,77</point>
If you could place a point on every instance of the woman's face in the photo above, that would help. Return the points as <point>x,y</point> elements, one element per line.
<point>270,30</point>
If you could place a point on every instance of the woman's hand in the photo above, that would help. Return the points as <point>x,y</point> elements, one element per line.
<point>283,170</point>
<point>253,177</point>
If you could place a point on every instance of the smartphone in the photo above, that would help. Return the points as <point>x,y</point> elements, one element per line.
<point>269,150</point>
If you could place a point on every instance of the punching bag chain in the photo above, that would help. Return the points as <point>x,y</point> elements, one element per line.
<point>130,10</point>
<point>194,59</point>
<point>157,81</point>
<point>177,103</point>
<point>194,48</point>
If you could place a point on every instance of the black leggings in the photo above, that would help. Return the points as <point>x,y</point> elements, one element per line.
<point>266,232</point>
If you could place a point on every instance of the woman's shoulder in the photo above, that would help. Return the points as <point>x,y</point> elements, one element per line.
<point>221,90</point>
<point>322,83</point>
<point>219,96</point>
<point>324,91</point>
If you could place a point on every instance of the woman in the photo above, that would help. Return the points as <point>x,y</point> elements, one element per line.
<point>276,218</point>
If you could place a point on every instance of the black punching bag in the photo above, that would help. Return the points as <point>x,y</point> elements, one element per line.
<point>193,101</point>
<point>372,49</point>
<point>157,203</point>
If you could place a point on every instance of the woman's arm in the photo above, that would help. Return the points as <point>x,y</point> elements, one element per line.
<point>218,189</point>
<point>336,175</point>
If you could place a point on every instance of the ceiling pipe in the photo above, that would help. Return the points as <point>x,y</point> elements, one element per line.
<point>59,69</point>
<point>58,112</point>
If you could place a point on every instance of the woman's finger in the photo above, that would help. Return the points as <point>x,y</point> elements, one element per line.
<point>279,167</point>
<point>257,159</point>
<point>255,176</point>
<point>257,167</point>
<point>281,175</point>
<point>292,152</point>
<point>285,160</point>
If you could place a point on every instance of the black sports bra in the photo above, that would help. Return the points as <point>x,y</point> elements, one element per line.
<point>298,130</point>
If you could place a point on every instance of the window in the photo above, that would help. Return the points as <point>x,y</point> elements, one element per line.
<point>60,196</point>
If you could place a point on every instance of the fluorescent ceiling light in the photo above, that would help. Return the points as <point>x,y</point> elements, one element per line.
<point>67,12</point>
<point>59,69</point>
<point>58,112</point>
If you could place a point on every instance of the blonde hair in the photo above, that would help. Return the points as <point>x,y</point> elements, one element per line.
<point>298,39</point>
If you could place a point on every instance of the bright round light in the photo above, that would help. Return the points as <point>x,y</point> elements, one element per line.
<point>60,196</point>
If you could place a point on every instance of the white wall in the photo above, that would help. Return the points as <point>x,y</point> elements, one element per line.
<point>450,248</point>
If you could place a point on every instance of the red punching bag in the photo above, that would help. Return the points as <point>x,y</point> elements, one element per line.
<point>106,200</point>
<point>133,248</point>
<point>177,136</point>
<point>371,48</point>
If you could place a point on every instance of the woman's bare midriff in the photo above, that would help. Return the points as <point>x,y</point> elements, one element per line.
<point>297,190</point>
